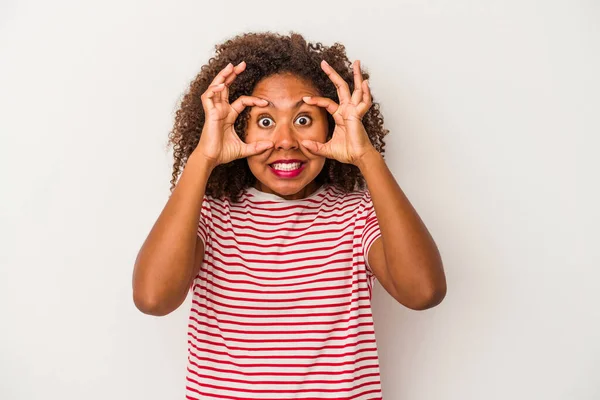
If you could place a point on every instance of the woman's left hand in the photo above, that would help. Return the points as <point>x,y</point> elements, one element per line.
<point>350,141</point>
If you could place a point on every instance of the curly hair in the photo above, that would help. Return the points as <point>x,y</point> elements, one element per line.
<point>267,54</point>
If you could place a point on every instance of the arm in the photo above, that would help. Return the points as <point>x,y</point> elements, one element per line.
<point>172,253</point>
<point>405,259</point>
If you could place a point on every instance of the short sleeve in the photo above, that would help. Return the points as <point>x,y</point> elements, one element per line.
<point>371,231</point>
<point>204,222</point>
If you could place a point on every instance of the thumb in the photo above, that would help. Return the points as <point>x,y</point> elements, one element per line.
<point>255,148</point>
<point>316,148</point>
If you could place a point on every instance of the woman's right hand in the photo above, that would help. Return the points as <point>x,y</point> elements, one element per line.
<point>219,143</point>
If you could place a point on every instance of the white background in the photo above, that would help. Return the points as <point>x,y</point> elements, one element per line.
<point>493,109</point>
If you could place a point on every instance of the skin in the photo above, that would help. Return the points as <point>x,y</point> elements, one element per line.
<point>171,255</point>
<point>286,121</point>
<point>405,259</point>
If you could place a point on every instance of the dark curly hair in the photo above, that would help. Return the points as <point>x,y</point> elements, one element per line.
<point>267,54</point>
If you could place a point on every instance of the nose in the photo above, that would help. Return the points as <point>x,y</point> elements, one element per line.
<point>285,137</point>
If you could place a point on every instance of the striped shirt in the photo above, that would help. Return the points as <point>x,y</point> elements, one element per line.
<point>281,306</point>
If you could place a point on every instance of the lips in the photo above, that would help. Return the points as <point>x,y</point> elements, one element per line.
<point>287,169</point>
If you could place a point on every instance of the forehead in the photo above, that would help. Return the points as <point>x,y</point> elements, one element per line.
<point>284,88</point>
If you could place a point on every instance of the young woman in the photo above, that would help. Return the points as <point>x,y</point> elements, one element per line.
<point>281,221</point>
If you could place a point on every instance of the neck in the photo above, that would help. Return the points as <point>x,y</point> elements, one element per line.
<point>304,192</point>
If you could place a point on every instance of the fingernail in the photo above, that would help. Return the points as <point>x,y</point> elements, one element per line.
<point>306,98</point>
<point>326,63</point>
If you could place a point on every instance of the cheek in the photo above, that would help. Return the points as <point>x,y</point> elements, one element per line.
<point>319,133</point>
<point>257,161</point>
<point>316,166</point>
<point>320,130</point>
<point>253,133</point>
<point>249,135</point>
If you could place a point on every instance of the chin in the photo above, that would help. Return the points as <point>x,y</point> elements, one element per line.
<point>286,188</point>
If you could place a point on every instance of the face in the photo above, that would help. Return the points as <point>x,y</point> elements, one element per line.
<point>288,169</point>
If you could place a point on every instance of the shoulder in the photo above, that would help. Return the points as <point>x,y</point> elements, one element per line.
<point>220,205</point>
<point>338,192</point>
<point>359,196</point>
<point>357,203</point>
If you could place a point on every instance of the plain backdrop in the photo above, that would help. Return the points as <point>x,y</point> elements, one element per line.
<point>493,110</point>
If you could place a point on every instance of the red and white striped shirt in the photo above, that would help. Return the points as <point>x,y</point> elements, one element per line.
<point>281,306</point>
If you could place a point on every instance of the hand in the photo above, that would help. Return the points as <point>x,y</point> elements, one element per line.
<point>350,141</point>
<point>219,143</point>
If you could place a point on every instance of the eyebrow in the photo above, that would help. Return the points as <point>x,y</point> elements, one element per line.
<point>298,104</point>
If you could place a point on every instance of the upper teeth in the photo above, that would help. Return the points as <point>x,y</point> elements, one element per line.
<point>286,166</point>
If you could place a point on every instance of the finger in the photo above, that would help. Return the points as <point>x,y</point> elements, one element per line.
<point>254,148</point>
<point>208,98</point>
<point>236,71</point>
<point>247,101</point>
<point>358,80</point>
<point>367,99</point>
<point>341,85</point>
<point>330,105</point>
<point>223,74</point>
<point>229,80</point>
<point>220,78</point>
<point>319,149</point>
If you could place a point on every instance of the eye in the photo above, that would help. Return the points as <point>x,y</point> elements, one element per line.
<point>268,122</point>
<point>304,120</point>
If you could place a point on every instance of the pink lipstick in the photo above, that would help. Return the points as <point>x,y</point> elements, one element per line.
<point>287,168</point>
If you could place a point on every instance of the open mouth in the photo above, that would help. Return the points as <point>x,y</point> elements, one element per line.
<point>287,167</point>
<point>287,170</point>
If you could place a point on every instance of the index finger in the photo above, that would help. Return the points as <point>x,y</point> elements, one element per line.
<point>247,101</point>
<point>236,71</point>
<point>224,73</point>
<point>343,90</point>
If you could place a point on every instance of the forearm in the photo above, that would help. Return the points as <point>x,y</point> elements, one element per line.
<point>412,258</point>
<point>165,262</point>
